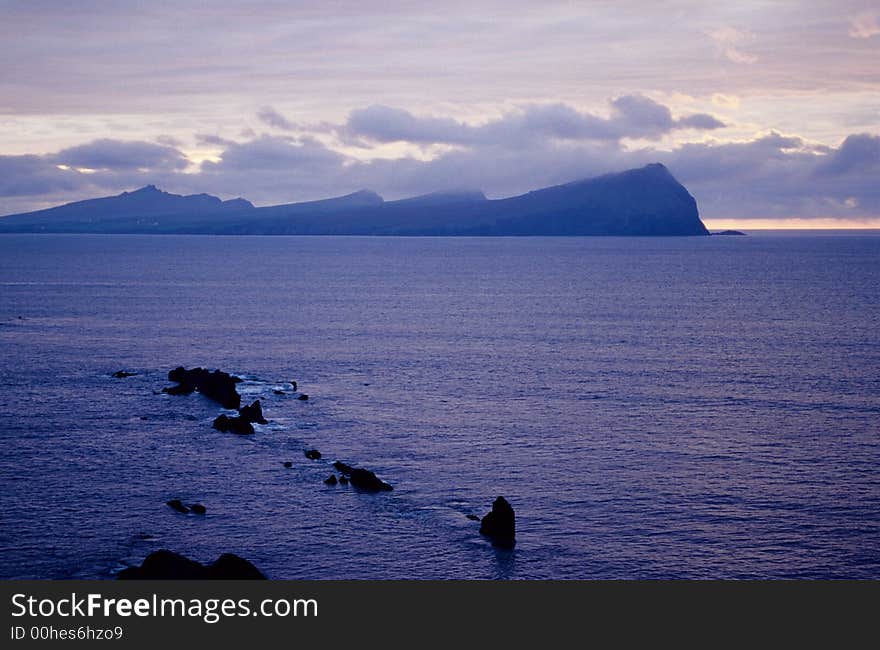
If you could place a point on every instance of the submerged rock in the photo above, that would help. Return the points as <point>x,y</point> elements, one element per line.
<point>302,397</point>
<point>236,425</point>
<point>198,509</point>
<point>313,454</point>
<point>122,374</point>
<point>217,385</point>
<point>473,517</point>
<point>177,504</point>
<point>331,480</point>
<point>167,565</point>
<point>500,524</point>
<point>288,464</point>
<point>253,413</point>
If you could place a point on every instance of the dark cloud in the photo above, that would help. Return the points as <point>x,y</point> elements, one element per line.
<point>213,140</point>
<point>106,154</point>
<point>271,117</point>
<point>632,116</point>
<point>34,176</point>
<point>860,152</point>
<point>274,153</point>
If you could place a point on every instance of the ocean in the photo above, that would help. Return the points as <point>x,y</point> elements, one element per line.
<point>703,407</point>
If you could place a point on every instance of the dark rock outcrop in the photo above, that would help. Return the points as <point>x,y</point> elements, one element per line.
<point>361,478</point>
<point>218,385</point>
<point>177,504</point>
<point>343,479</point>
<point>253,413</point>
<point>198,509</point>
<point>235,425</point>
<point>473,517</point>
<point>500,524</point>
<point>342,467</point>
<point>302,397</point>
<point>312,454</point>
<point>122,374</point>
<point>180,389</point>
<point>366,480</point>
<point>288,464</point>
<point>167,565</point>
<point>331,480</point>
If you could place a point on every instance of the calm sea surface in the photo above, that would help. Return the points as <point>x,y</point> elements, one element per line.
<point>652,408</point>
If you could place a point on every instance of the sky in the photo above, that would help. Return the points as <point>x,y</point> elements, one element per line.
<point>768,112</point>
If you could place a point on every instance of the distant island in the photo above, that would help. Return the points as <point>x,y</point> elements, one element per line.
<point>647,201</point>
<point>734,233</point>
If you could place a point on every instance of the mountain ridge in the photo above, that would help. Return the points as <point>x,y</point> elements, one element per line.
<point>646,201</point>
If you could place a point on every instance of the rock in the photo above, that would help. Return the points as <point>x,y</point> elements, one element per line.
<point>177,504</point>
<point>180,389</point>
<point>279,392</point>
<point>500,524</point>
<point>164,565</point>
<point>342,467</point>
<point>167,565</point>
<point>343,479</point>
<point>198,509</point>
<point>218,385</point>
<point>313,454</point>
<point>473,517</point>
<point>236,425</point>
<point>232,567</point>
<point>253,413</point>
<point>302,397</point>
<point>122,374</point>
<point>331,480</point>
<point>293,383</point>
<point>366,480</point>
<point>288,464</point>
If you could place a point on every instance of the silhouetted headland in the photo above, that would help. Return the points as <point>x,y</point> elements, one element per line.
<point>647,201</point>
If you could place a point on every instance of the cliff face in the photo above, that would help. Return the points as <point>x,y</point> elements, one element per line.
<point>645,201</point>
<point>640,202</point>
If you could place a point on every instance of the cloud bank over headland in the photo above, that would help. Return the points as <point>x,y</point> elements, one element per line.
<point>762,111</point>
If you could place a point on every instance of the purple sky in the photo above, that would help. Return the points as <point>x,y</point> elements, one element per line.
<point>768,112</point>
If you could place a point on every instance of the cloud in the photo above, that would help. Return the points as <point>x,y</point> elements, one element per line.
<point>859,152</point>
<point>864,25</point>
<point>213,140</point>
<point>730,42</point>
<point>31,175</point>
<point>268,152</point>
<point>269,116</point>
<point>773,175</point>
<point>106,154</point>
<point>168,141</point>
<point>633,116</point>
